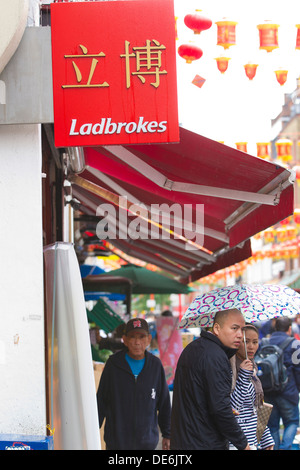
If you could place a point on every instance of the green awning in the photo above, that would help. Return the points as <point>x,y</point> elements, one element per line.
<point>292,280</point>
<point>145,281</point>
<point>104,317</point>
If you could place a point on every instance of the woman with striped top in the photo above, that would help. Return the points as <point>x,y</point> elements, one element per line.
<point>247,394</point>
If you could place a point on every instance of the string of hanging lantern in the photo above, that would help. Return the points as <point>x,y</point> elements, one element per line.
<point>279,243</point>
<point>268,36</point>
<point>197,23</point>
<point>190,52</point>
<point>226,38</point>
<point>222,63</point>
<point>283,152</point>
<point>226,34</point>
<point>250,70</point>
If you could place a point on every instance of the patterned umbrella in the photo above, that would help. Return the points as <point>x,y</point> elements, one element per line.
<point>256,302</point>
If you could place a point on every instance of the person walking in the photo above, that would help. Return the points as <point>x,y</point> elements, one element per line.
<point>285,403</point>
<point>247,395</point>
<point>202,416</point>
<point>133,396</point>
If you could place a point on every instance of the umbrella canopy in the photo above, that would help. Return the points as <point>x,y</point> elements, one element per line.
<point>145,281</point>
<point>255,302</point>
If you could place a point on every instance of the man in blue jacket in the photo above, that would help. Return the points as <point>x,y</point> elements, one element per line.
<point>133,395</point>
<point>286,403</point>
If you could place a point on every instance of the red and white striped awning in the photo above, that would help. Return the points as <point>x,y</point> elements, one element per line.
<point>240,195</point>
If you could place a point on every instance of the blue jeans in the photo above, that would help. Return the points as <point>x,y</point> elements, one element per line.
<point>289,414</point>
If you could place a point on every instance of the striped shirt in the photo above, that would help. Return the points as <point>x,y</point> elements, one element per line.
<point>242,401</point>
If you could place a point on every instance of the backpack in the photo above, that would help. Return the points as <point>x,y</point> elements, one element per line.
<point>271,369</point>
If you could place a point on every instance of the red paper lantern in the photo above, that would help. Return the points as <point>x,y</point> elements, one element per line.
<point>250,70</point>
<point>222,63</point>
<point>283,147</point>
<point>197,22</point>
<point>281,76</point>
<point>263,150</point>
<point>190,52</point>
<point>297,216</point>
<point>281,234</point>
<point>268,36</point>
<point>226,33</point>
<point>241,146</point>
<point>297,171</point>
<point>269,235</point>
<point>298,36</point>
<point>286,221</point>
<point>291,232</point>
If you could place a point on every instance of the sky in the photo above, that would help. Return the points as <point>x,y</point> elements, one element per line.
<point>229,107</point>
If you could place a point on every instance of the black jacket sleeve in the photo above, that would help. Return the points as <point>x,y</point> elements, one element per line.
<point>218,382</point>
<point>164,407</point>
<point>103,394</point>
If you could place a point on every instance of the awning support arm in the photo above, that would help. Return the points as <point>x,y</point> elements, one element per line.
<point>161,180</point>
<point>121,191</point>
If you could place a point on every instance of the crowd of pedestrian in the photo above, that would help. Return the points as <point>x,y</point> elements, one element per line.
<point>286,402</point>
<point>217,392</point>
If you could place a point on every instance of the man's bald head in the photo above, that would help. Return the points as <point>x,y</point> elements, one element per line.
<point>228,326</point>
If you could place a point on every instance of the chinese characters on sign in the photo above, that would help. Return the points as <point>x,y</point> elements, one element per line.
<point>94,63</point>
<point>149,58</point>
<point>115,81</point>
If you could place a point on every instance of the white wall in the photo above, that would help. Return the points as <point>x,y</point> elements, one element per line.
<point>22,355</point>
<point>13,20</point>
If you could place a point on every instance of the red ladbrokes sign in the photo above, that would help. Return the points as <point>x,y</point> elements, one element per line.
<point>114,72</point>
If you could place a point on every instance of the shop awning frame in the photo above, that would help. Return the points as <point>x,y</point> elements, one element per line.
<point>262,197</point>
<point>241,195</point>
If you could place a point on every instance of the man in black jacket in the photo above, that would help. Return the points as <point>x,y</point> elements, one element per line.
<point>133,395</point>
<point>202,417</point>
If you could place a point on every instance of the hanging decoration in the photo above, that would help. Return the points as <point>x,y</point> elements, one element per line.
<point>281,76</point>
<point>297,216</point>
<point>226,33</point>
<point>283,148</point>
<point>296,169</point>
<point>288,249</point>
<point>286,233</point>
<point>226,37</point>
<point>269,235</point>
<point>197,22</point>
<point>298,36</point>
<point>286,221</point>
<point>241,146</point>
<point>263,150</point>
<point>198,81</point>
<point>190,52</point>
<point>282,243</point>
<point>250,70</point>
<point>222,63</point>
<point>268,36</point>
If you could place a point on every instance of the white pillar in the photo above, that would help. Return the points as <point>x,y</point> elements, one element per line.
<point>22,351</point>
